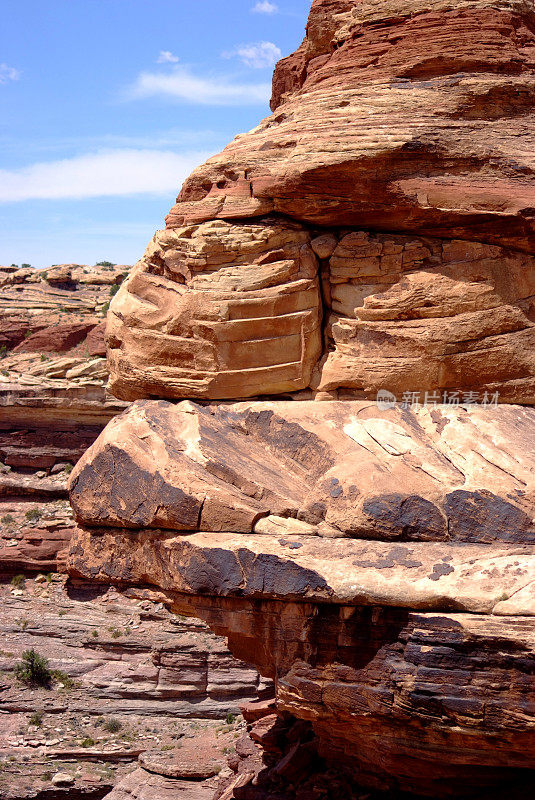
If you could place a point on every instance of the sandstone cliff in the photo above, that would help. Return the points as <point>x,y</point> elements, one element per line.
<point>53,401</point>
<point>376,232</point>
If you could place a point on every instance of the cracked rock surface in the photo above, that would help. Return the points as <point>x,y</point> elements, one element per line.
<point>398,623</point>
<point>374,234</point>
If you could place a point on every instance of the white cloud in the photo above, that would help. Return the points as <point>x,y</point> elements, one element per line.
<point>264,7</point>
<point>167,57</point>
<point>182,85</point>
<point>256,54</point>
<point>8,73</point>
<point>103,174</point>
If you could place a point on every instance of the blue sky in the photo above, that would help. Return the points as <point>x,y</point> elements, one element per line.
<point>107,105</point>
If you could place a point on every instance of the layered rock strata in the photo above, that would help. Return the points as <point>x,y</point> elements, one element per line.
<point>374,234</point>
<point>399,623</point>
<point>53,400</point>
<point>389,198</point>
<point>135,682</point>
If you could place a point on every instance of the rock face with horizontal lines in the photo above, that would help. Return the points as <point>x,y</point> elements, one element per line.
<point>373,237</point>
<point>375,232</point>
<point>380,565</point>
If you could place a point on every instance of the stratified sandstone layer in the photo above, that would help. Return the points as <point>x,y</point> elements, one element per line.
<point>375,233</point>
<point>53,399</point>
<point>389,198</point>
<point>380,565</point>
<point>135,682</point>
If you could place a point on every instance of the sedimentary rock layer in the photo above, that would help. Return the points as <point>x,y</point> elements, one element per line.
<point>337,469</point>
<point>212,312</point>
<point>397,167</point>
<point>53,400</point>
<point>379,565</point>
<point>134,681</point>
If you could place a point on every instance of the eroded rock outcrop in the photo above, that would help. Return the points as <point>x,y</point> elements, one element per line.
<point>53,401</point>
<point>390,193</point>
<point>378,561</point>
<point>364,559</point>
<point>135,682</point>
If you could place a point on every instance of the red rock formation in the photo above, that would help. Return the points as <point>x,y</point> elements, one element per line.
<point>53,402</point>
<point>137,682</point>
<point>379,565</point>
<point>393,117</point>
<point>376,232</point>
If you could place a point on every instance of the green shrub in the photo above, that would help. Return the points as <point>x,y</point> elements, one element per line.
<point>25,266</point>
<point>114,288</point>
<point>88,742</point>
<point>46,776</point>
<point>18,581</point>
<point>7,520</point>
<point>3,350</point>
<point>105,307</point>
<point>34,514</point>
<point>112,725</point>
<point>105,264</point>
<point>231,719</point>
<point>33,670</point>
<point>63,678</point>
<point>68,469</point>
<point>36,719</point>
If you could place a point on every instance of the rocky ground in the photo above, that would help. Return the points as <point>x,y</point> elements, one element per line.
<point>131,680</point>
<point>142,700</point>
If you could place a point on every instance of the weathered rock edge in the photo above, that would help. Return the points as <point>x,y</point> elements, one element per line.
<point>413,657</point>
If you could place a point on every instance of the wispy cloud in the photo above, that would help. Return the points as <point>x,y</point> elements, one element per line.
<point>8,73</point>
<point>167,57</point>
<point>182,85</point>
<point>264,7</point>
<point>103,174</point>
<point>256,54</point>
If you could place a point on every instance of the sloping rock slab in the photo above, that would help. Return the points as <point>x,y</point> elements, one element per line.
<point>142,785</point>
<point>441,473</point>
<point>422,575</point>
